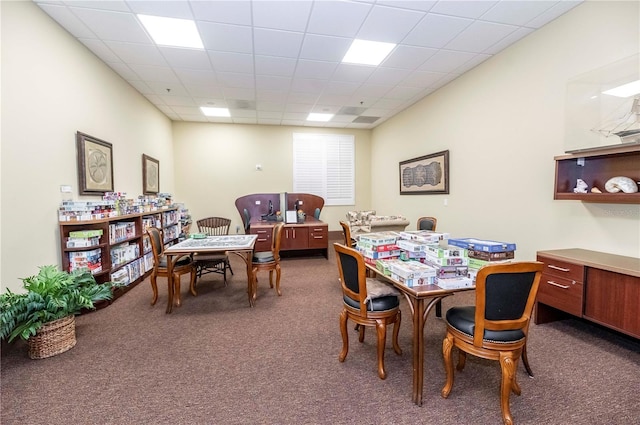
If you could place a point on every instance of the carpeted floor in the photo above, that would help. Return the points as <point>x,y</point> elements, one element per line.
<point>217,361</point>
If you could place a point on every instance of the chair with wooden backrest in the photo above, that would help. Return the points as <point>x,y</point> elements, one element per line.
<point>427,223</point>
<point>496,327</point>
<point>366,301</point>
<point>269,260</point>
<point>182,265</point>
<point>346,233</point>
<point>213,263</point>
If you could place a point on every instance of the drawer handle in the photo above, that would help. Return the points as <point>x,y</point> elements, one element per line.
<point>562,269</point>
<point>558,285</point>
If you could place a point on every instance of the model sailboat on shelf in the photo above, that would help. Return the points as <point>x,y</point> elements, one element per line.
<point>627,127</point>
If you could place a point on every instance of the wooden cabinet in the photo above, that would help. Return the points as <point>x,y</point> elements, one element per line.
<point>123,249</point>
<point>312,235</point>
<point>600,287</point>
<point>596,168</point>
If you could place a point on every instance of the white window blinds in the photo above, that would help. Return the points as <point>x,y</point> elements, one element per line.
<point>324,165</point>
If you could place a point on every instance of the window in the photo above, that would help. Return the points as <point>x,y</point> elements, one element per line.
<point>324,165</point>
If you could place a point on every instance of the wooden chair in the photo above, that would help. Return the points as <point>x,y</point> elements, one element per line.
<point>496,327</point>
<point>182,265</point>
<point>365,308</point>
<point>427,223</point>
<point>346,233</point>
<point>269,260</point>
<point>213,263</point>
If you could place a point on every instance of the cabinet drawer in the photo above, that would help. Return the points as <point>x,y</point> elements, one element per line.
<point>263,243</point>
<point>563,294</point>
<point>318,237</point>
<point>562,269</point>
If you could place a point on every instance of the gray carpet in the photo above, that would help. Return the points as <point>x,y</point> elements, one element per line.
<point>217,361</point>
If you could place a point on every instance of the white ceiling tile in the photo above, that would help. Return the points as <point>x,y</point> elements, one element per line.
<point>100,49</point>
<point>273,82</point>
<point>372,90</point>
<point>138,54</point>
<point>277,122</point>
<point>186,58</point>
<point>118,6</point>
<point>319,70</point>
<point>464,9</point>
<point>308,85</point>
<point>341,88</point>
<point>472,63</point>
<point>401,92</point>
<point>238,93</point>
<point>68,20</point>
<point>271,106</point>
<point>516,12</point>
<point>226,38</point>
<point>479,36</point>
<point>422,79</point>
<point>502,44</point>
<point>422,5</point>
<point>205,90</point>
<point>388,24</point>
<point>230,12</point>
<point>230,79</point>
<point>189,110</point>
<point>325,109</point>
<point>306,98</point>
<point>266,95</point>
<point>277,42</point>
<point>283,15</point>
<point>196,76</point>
<point>552,13</point>
<point>155,73</point>
<point>220,120</point>
<point>168,9</point>
<point>337,18</point>
<point>244,120</point>
<point>446,61</point>
<point>141,86</point>
<point>231,62</point>
<point>175,101</point>
<point>155,99</point>
<point>270,115</point>
<point>296,115</point>
<point>324,48</point>
<point>243,113</point>
<point>436,31</point>
<point>333,99</point>
<point>125,72</point>
<point>113,26</point>
<point>164,88</point>
<point>408,57</point>
<point>388,76</point>
<point>209,101</point>
<point>352,73</point>
<point>269,65</point>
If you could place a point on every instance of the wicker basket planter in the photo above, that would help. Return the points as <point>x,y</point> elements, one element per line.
<point>53,338</point>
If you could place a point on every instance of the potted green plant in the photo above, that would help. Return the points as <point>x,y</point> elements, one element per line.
<point>44,315</point>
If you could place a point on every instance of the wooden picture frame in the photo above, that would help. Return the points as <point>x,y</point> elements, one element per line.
<point>425,175</point>
<point>95,165</point>
<point>150,175</point>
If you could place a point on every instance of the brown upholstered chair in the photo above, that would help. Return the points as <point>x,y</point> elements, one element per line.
<point>346,233</point>
<point>427,223</point>
<point>368,302</point>
<point>269,260</point>
<point>213,263</point>
<point>182,265</point>
<point>496,327</point>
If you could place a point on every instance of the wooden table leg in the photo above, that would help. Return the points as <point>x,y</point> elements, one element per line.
<point>169,283</point>
<point>247,257</point>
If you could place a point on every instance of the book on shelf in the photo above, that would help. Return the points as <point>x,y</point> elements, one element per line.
<point>85,233</point>
<point>83,242</point>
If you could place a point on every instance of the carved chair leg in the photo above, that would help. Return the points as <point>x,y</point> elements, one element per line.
<point>462,360</point>
<point>345,336</point>
<point>439,309</point>
<point>278,271</point>
<point>270,278</point>
<point>396,331</point>
<point>361,329</point>
<point>508,366</point>
<point>154,288</point>
<point>192,283</point>
<point>447,355</point>
<point>176,290</point>
<point>381,330</point>
<point>525,361</point>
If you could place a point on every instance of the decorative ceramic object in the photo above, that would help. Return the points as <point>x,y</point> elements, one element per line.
<point>581,186</point>
<point>619,183</point>
<point>595,190</point>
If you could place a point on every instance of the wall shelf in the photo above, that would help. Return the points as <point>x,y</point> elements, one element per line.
<point>598,167</point>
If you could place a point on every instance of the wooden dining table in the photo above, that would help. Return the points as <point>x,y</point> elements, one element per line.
<point>421,298</point>
<point>241,245</point>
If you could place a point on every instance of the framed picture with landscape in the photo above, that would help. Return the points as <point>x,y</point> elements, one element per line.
<point>425,175</point>
<point>150,175</point>
<point>95,165</point>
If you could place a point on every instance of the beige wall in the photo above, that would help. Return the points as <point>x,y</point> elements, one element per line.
<point>216,163</point>
<point>52,86</point>
<point>503,123</point>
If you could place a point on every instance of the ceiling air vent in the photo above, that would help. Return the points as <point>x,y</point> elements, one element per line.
<point>366,120</point>
<point>351,110</point>
<point>241,104</point>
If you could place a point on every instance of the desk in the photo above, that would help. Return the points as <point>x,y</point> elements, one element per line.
<point>241,245</point>
<point>421,300</point>
<point>313,234</point>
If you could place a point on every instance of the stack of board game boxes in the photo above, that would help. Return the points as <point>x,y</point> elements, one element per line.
<point>426,257</point>
<point>85,259</point>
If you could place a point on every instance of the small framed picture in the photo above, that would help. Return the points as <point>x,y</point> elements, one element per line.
<point>425,175</point>
<point>150,175</point>
<point>95,165</point>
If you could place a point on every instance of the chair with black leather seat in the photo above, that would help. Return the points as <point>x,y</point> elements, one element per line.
<point>269,260</point>
<point>427,223</point>
<point>368,302</point>
<point>213,263</point>
<point>496,327</point>
<point>183,265</point>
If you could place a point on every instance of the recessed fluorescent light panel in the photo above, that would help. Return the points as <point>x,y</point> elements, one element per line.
<point>319,117</point>
<point>625,90</point>
<point>215,112</point>
<point>172,32</point>
<point>365,52</point>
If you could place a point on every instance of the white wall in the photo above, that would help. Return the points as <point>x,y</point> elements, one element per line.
<point>216,164</point>
<point>52,86</point>
<point>503,123</point>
